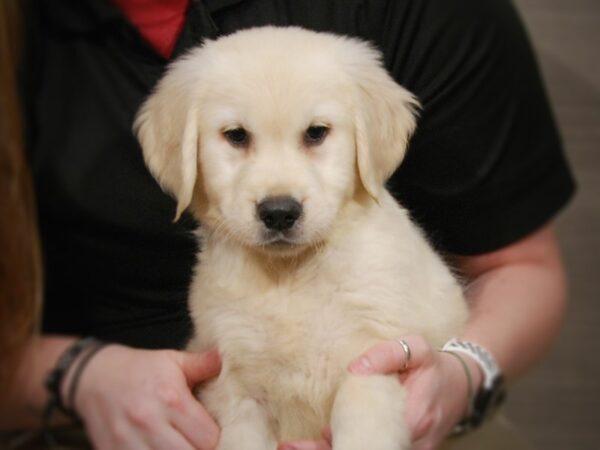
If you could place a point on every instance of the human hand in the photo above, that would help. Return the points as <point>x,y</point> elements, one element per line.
<point>142,399</point>
<point>437,391</point>
<point>436,383</point>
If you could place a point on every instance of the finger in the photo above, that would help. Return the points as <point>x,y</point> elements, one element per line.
<point>198,367</point>
<point>427,443</point>
<point>423,444</point>
<point>165,437</point>
<point>196,425</point>
<point>424,424</point>
<point>391,356</point>
<point>326,433</point>
<point>419,424</point>
<point>304,445</point>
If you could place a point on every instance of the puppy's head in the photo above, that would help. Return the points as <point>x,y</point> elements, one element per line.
<point>269,132</point>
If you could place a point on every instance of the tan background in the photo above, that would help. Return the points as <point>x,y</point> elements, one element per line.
<point>558,404</point>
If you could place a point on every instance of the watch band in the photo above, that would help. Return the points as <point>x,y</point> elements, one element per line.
<point>491,393</point>
<point>484,359</point>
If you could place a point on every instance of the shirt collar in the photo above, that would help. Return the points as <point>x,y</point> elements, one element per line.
<point>87,15</point>
<point>216,5</point>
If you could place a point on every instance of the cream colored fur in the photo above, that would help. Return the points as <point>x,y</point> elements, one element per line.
<point>354,271</point>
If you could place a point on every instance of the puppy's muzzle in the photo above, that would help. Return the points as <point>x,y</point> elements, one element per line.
<point>279,213</point>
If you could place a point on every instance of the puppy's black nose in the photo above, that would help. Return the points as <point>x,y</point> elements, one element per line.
<point>279,213</point>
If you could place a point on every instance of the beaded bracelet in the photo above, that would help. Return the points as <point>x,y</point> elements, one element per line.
<point>55,378</point>
<point>81,365</point>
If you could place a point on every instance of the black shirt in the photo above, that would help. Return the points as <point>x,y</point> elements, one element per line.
<point>484,169</point>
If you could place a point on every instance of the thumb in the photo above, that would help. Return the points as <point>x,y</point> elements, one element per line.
<point>392,356</point>
<point>198,367</point>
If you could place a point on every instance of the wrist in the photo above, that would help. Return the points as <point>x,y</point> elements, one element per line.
<point>62,380</point>
<point>475,372</point>
<point>486,376</point>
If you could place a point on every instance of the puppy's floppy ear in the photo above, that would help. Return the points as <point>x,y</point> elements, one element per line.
<point>385,120</point>
<point>167,128</point>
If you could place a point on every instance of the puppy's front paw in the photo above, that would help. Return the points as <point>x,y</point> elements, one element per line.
<point>245,426</point>
<point>382,439</point>
<point>369,435</point>
<point>368,414</point>
<point>246,438</point>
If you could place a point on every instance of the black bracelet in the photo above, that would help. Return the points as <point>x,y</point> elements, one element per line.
<point>84,360</point>
<point>56,376</point>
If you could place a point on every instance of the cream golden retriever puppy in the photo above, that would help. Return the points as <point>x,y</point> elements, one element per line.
<point>280,141</point>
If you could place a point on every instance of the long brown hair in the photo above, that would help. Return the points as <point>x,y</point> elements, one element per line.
<point>20,273</point>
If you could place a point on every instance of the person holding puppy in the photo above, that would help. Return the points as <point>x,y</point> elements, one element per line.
<point>484,176</point>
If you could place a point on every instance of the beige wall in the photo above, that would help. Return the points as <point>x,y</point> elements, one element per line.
<point>558,404</point>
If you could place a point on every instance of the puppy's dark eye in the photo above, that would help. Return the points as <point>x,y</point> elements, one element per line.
<point>237,136</point>
<point>315,134</point>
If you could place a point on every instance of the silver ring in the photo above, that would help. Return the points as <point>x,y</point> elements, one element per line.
<point>406,349</point>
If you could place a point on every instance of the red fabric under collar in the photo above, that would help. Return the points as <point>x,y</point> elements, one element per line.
<point>159,21</point>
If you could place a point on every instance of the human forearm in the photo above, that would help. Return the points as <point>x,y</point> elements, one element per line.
<point>24,402</point>
<point>517,299</point>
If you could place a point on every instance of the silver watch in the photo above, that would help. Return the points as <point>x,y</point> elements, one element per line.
<point>492,392</point>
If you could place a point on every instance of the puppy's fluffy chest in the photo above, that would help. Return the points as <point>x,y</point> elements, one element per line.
<point>287,334</point>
